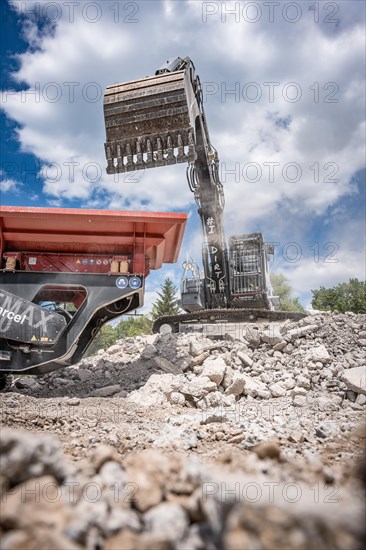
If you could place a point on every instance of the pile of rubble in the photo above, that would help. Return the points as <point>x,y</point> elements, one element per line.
<point>324,352</point>
<point>171,502</point>
<point>187,442</point>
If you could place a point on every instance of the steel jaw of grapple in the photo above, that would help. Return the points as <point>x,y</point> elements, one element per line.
<point>150,122</point>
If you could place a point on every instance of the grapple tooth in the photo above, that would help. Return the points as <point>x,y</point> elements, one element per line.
<point>120,166</point>
<point>168,153</point>
<point>180,155</point>
<point>129,164</point>
<point>110,165</point>
<point>192,155</point>
<point>149,152</point>
<point>158,154</point>
<point>139,161</point>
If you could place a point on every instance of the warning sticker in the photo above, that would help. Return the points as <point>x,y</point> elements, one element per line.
<point>32,261</point>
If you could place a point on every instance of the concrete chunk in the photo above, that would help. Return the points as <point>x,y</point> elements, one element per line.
<point>355,379</point>
<point>214,369</point>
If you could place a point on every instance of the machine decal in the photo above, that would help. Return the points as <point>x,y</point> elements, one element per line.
<point>28,322</point>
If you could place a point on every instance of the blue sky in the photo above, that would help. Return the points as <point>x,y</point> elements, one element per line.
<point>284,98</point>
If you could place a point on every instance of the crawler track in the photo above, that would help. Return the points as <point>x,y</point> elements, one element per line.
<point>228,315</point>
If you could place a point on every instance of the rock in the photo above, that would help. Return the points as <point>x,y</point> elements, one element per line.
<point>26,383</point>
<point>252,386</point>
<point>73,401</point>
<point>272,335</point>
<point>214,369</point>
<point>199,387</point>
<point>25,455</point>
<point>328,403</point>
<point>36,538</point>
<point>303,382</point>
<point>326,429</point>
<point>245,359</point>
<point>263,393</point>
<point>89,516</point>
<point>148,472</point>
<point>252,336</point>
<point>277,390</point>
<point>199,359</point>
<point>103,454</point>
<point>168,520</point>
<point>176,398</point>
<point>288,383</point>
<point>107,391</point>
<point>148,352</point>
<point>237,386</point>
<point>162,364</point>
<point>296,437</point>
<point>298,391</point>
<point>301,331</point>
<point>213,399</point>
<point>320,353</point>
<point>112,474</point>
<point>299,401</point>
<point>121,518</point>
<point>361,399</point>
<point>355,379</point>
<point>280,346</point>
<point>268,449</point>
<point>228,377</point>
<point>197,348</point>
<point>34,503</point>
<point>127,540</point>
<point>112,350</point>
<point>84,374</point>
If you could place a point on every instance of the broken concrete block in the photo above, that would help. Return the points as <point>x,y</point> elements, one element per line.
<point>355,379</point>
<point>237,385</point>
<point>214,369</point>
<point>272,335</point>
<point>320,353</point>
<point>245,359</point>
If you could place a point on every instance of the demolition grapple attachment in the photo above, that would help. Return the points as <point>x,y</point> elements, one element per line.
<point>151,122</point>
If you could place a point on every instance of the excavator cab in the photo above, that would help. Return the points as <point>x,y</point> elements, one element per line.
<point>151,122</point>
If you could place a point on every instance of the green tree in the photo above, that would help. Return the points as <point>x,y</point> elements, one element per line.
<point>283,290</point>
<point>134,326</point>
<point>106,337</point>
<point>343,297</point>
<point>167,302</point>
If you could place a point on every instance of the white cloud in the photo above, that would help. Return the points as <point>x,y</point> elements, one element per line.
<point>7,185</point>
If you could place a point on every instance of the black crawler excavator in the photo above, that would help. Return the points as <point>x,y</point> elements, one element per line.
<point>160,121</point>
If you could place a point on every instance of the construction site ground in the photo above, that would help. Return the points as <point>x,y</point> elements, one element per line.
<point>179,441</point>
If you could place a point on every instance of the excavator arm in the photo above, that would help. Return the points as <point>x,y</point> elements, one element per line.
<point>159,121</point>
